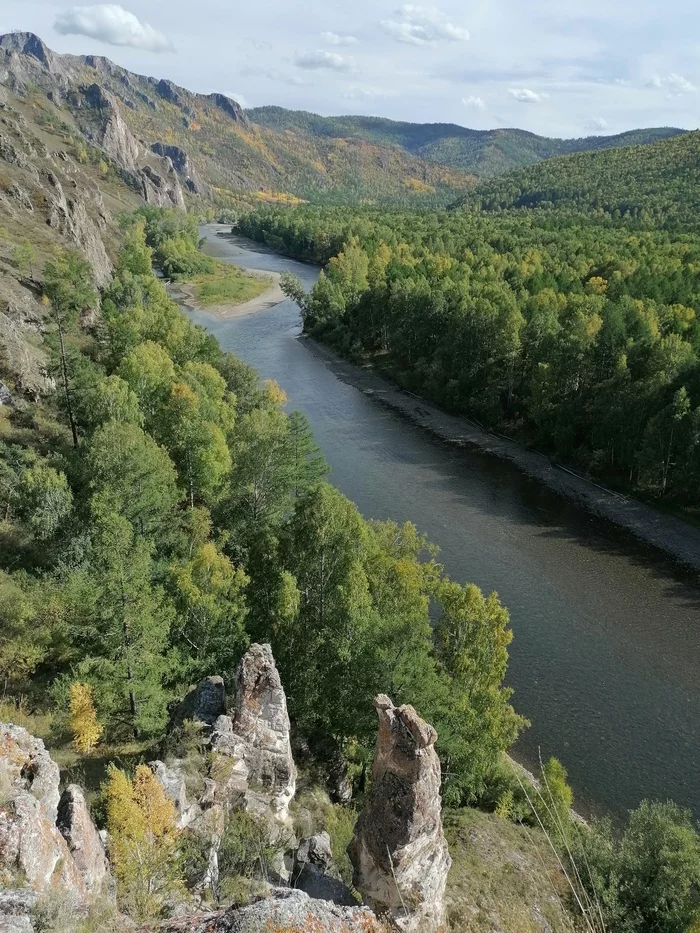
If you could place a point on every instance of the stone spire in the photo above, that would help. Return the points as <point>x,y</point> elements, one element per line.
<point>399,852</point>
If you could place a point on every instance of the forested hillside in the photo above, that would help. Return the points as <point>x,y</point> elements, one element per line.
<point>650,186</point>
<point>482,152</point>
<point>576,336</point>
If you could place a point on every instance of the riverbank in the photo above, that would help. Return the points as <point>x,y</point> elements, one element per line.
<point>184,294</point>
<point>674,537</point>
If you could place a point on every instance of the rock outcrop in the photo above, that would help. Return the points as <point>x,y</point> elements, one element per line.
<point>313,867</point>
<point>255,738</point>
<point>399,852</point>
<point>48,841</point>
<point>203,704</point>
<point>173,783</point>
<point>84,843</point>
<point>286,910</point>
<point>184,166</point>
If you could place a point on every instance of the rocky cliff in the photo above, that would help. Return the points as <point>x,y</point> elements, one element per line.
<point>213,146</point>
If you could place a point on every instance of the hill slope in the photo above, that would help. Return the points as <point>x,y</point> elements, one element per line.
<point>655,185</point>
<point>211,141</point>
<point>483,152</point>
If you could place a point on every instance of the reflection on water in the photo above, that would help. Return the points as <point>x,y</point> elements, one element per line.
<point>606,653</point>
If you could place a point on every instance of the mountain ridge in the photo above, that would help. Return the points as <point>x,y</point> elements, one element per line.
<point>453,144</point>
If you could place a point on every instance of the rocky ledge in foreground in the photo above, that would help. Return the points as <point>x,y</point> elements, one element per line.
<point>288,911</point>
<point>47,840</point>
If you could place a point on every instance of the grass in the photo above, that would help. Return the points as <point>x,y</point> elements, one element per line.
<point>227,285</point>
<point>504,877</point>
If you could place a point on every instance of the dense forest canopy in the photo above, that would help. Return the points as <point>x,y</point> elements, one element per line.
<point>648,186</point>
<point>574,332</point>
<point>162,511</point>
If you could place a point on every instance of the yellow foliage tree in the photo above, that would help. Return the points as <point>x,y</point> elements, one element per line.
<point>84,724</point>
<point>143,841</point>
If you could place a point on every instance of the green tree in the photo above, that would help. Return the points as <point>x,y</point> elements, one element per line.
<point>134,475</point>
<point>69,288</point>
<point>472,636</point>
<point>24,256</point>
<point>308,463</point>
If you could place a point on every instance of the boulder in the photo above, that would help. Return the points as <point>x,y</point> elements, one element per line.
<point>255,737</point>
<point>47,839</point>
<point>25,765</point>
<point>313,861</point>
<point>399,852</point>
<point>31,845</point>
<point>287,910</point>
<point>84,842</point>
<point>203,703</point>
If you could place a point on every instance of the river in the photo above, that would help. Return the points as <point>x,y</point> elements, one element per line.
<point>606,650</point>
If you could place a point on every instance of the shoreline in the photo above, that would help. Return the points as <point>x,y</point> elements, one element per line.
<point>674,537</point>
<point>183,294</point>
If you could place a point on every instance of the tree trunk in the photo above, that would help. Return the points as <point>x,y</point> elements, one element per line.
<point>66,385</point>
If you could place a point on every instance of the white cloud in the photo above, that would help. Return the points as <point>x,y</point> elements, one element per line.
<point>271,74</point>
<point>323,61</point>
<point>333,38</point>
<point>111,23</point>
<point>423,25</point>
<point>597,125</point>
<point>366,93</point>
<point>674,83</point>
<point>525,96</point>
<point>476,102</point>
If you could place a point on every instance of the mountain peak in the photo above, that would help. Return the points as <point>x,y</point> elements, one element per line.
<point>26,43</point>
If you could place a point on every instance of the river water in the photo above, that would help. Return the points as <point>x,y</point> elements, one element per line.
<point>606,653</point>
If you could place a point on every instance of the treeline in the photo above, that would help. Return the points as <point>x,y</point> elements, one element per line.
<point>578,337</point>
<point>163,512</point>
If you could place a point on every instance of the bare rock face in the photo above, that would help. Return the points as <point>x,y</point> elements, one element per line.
<point>32,846</point>
<point>26,766</point>
<point>184,166</point>
<point>204,703</point>
<point>84,842</point>
<point>399,852</point>
<point>256,737</point>
<point>286,910</point>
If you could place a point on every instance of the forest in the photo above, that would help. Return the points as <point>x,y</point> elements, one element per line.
<point>574,333</point>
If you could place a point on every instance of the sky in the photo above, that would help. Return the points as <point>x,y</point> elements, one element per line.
<point>555,67</point>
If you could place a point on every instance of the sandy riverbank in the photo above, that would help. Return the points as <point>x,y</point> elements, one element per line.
<point>675,537</point>
<point>273,295</point>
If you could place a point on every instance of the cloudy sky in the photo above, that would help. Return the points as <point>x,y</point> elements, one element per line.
<point>556,67</point>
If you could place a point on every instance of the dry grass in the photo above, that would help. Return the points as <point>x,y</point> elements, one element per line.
<point>504,877</point>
